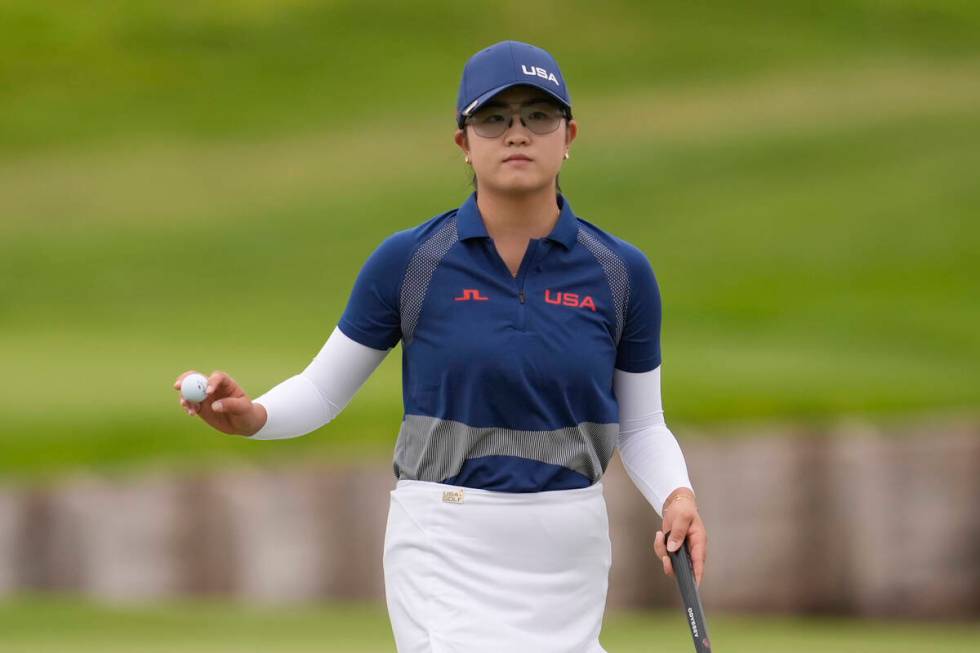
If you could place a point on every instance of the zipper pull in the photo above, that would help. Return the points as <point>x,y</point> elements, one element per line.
<point>522,295</point>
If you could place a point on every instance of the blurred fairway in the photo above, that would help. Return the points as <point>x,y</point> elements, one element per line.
<point>197,187</point>
<point>46,625</point>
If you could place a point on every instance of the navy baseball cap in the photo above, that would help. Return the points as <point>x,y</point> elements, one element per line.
<point>506,64</point>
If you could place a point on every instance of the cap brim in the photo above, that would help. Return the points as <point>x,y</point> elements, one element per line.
<point>484,97</point>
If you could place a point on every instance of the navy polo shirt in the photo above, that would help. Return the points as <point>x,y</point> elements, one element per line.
<point>507,381</point>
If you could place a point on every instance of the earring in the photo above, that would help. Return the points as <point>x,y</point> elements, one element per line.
<point>467,159</point>
<point>566,155</point>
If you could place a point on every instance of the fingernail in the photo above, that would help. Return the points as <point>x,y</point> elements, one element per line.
<point>210,388</point>
<point>216,406</point>
<point>673,545</point>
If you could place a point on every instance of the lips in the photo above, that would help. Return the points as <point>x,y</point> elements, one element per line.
<point>517,157</point>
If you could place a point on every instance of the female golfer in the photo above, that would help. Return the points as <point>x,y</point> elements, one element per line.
<point>531,350</point>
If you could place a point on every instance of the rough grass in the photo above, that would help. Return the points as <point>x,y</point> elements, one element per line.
<point>55,625</point>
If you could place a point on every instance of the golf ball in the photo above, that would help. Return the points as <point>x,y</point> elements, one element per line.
<point>194,387</point>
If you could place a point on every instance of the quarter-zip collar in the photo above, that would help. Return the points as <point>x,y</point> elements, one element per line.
<point>470,224</point>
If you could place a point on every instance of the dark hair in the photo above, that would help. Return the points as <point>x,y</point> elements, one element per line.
<point>568,116</point>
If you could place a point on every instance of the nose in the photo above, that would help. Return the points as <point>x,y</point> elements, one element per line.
<point>516,135</point>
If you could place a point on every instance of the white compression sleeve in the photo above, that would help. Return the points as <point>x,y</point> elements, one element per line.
<point>650,453</point>
<point>308,400</point>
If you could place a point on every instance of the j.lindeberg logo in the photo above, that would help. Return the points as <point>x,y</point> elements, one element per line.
<point>471,293</point>
<point>540,72</point>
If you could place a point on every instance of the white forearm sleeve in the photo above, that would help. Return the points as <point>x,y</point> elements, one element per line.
<point>308,400</point>
<point>649,451</point>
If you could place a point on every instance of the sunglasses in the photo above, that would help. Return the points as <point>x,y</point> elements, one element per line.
<point>541,117</point>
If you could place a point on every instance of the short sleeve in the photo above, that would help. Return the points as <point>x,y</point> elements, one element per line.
<point>372,316</point>
<point>639,345</point>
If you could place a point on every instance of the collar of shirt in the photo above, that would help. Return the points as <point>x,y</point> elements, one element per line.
<point>469,222</point>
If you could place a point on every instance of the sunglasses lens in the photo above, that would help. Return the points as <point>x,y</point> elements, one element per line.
<point>541,118</point>
<point>490,123</point>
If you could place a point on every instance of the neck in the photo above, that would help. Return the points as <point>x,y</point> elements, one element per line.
<point>518,216</point>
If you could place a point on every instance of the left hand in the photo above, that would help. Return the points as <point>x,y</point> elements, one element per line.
<point>682,520</point>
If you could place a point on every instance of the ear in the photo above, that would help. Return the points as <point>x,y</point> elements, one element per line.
<point>460,138</point>
<point>571,131</point>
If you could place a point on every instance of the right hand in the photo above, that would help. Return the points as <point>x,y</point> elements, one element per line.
<point>683,521</point>
<point>235,414</point>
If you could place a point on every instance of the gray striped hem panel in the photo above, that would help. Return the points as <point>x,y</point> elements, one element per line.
<point>433,449</point>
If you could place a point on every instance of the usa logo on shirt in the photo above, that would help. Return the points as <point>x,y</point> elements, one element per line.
<point>569,299</point>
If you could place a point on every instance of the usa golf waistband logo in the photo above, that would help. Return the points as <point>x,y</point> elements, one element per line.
<point>452,496</point>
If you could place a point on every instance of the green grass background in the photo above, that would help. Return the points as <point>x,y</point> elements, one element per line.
<point>196,186</point>
<point>47,624</point>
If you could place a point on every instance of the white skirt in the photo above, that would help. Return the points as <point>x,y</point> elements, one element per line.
<point>479,571</point>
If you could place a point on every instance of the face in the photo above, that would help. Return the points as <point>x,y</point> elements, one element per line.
<point>544,152</point>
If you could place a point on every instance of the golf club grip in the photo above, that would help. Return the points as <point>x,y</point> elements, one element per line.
<point>693,612</point>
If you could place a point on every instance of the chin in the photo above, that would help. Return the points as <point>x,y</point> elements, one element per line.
<point>518,183</point>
